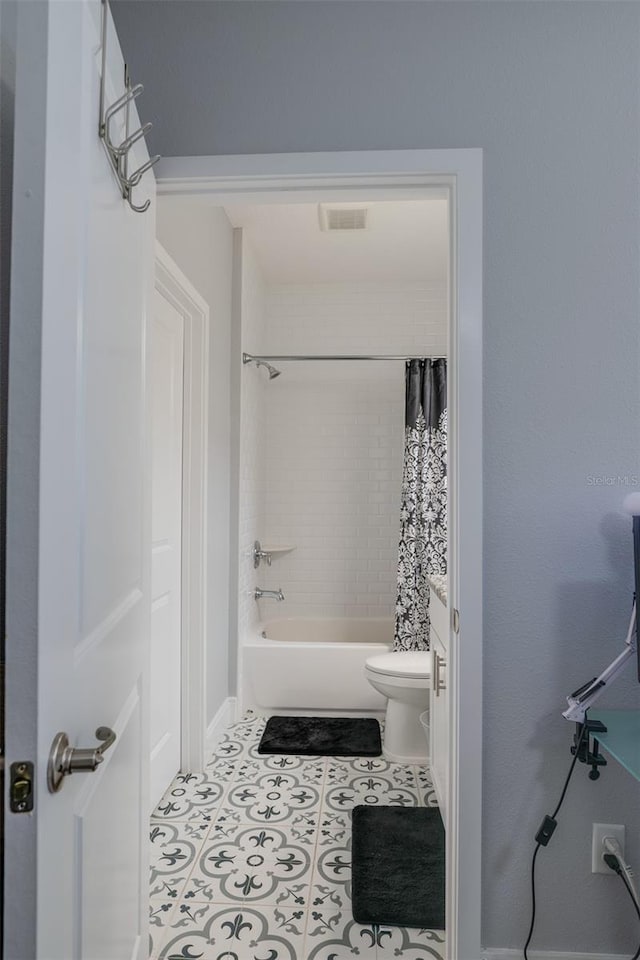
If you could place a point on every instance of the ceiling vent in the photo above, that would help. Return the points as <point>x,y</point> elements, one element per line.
<point>345,217</point>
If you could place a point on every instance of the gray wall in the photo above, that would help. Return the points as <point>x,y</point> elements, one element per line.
<point>7,97</point>
<point>200,240</point>
<point>551,92</point>
<point>24,134</point>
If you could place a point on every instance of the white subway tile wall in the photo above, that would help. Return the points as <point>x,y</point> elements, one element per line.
<point>252,444</point>
<point>371,318</point>
<point>334,440</point>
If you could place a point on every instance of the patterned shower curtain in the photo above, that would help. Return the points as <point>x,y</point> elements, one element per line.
<point>423,514</point>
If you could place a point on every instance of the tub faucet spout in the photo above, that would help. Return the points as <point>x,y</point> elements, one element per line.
<point>272,594</point>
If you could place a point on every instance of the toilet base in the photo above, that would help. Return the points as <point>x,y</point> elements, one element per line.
<point>404,740</point>
<point>400,758</point>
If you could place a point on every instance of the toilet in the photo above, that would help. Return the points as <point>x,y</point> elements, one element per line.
<point>404,677</point>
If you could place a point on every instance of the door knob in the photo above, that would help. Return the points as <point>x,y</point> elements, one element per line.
<point>65,759</point>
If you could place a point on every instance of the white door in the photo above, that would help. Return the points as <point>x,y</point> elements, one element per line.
<point>167,405</point>
<point>78,502</point>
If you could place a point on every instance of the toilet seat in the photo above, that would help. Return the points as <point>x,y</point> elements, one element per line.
<point>412,664</point>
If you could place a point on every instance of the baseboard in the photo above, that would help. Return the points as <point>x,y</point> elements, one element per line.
<point>226,714</point>
<point>501,953</point>
<point>136,953</point>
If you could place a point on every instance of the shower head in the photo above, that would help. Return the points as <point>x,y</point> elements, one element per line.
<point>273,373</point>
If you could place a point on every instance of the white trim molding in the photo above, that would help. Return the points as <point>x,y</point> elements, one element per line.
<point>177,289</point>
<point>226,714</point>
<point>464,669</point>
<point>300,177</point>
<point>502,953</point>
<point>408,174</point>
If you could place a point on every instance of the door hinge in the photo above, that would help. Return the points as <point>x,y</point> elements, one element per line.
<point>455,620</point>
<point>21,787</point>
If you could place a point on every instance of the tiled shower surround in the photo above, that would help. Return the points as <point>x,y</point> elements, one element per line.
<point>251,860</point>
<point>334,471</point>
<point>321,446</point>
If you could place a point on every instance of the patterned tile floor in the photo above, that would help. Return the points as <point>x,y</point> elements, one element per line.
<point>251,860</point>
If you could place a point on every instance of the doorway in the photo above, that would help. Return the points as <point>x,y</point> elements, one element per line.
<point>408,175</point>
<point>178,416</point>
<point>167,411</point>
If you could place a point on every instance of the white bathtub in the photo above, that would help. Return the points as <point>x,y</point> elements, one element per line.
<point>307,665</point>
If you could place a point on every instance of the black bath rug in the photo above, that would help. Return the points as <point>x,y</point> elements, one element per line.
<point>322,736</point>
<point>398,866</point>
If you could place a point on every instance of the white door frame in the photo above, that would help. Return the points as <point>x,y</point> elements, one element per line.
<point>174,286</point>
<point>406,174</point>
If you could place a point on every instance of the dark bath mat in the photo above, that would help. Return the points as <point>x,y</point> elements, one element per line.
<point>398,866</point>
<point>322,736</point>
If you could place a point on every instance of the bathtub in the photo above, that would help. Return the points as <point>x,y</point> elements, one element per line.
<point>309,665</point>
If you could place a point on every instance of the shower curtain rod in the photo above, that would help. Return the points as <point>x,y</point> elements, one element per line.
<point>248,358</point>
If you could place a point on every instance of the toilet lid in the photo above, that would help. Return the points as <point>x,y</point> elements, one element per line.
<point>404,663</point>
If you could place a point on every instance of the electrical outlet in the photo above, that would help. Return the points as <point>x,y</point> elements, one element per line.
<point>600,831</point>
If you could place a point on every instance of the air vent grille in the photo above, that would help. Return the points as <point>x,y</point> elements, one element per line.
<point>343,218</point>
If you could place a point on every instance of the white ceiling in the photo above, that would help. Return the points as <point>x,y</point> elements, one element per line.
<point>404,240</point>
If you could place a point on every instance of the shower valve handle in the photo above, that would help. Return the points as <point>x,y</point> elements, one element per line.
<point>260,554</point>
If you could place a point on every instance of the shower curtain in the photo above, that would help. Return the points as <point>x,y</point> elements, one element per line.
<point>423,514</point>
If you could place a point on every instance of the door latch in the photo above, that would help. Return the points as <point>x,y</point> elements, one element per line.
<point>21,787</point>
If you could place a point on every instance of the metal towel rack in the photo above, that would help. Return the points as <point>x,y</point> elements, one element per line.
<point>118,154</point>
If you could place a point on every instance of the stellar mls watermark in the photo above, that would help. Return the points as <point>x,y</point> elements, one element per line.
<point>613,480</point>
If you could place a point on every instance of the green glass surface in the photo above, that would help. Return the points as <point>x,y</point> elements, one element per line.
<point>622,739</point>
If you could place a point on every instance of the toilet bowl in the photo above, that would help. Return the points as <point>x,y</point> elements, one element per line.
<point>404,678</point>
